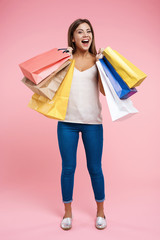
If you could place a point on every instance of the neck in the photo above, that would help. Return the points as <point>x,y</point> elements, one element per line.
<point>81,53</point>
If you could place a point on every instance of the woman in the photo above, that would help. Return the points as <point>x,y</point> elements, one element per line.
<point>83,115</point>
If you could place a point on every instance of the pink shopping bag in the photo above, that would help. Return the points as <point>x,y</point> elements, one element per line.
<point>41,66</point>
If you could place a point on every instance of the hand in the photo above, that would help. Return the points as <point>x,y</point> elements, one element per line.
<point>99,54</point>
<point>70,49</point>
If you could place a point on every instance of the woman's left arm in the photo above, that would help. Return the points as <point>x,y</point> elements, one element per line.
<point>98,56</point>
<point>100,85</point>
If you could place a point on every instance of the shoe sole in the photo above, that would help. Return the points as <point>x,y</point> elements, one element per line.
<point>65,228</point>
<point>100,228</point>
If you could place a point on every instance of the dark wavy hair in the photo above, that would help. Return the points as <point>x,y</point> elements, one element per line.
<point>71,30</point>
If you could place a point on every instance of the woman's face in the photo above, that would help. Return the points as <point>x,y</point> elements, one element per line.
<point>83,32</point>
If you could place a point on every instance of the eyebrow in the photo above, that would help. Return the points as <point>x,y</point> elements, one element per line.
<point>82,29</point>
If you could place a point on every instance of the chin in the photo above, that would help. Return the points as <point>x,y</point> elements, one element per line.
<point>85,48</point>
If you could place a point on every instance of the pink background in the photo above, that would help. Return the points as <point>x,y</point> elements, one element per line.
<point>30,196</point>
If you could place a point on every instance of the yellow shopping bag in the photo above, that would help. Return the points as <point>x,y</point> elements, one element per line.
<point>57,107</point>
<point>132,75</point>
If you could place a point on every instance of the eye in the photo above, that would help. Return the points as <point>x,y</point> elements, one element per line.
<point>87,31</point>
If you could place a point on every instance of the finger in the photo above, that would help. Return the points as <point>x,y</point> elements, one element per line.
<point>70,48</point>
<point>102,49</point>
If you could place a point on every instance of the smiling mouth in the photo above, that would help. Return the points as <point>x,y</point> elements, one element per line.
<point>85,42</point>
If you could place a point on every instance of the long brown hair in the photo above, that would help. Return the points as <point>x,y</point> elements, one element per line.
<point>71,30</point>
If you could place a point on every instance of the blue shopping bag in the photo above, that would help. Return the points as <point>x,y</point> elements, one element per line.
<point>119,85</point>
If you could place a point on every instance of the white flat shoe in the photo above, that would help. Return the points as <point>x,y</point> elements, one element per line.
<point>66,223</point>
<point>101,222</point>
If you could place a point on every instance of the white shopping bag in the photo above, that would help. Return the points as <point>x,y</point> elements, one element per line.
<point>118,108</point>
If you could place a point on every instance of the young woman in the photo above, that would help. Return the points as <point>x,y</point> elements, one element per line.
<point>83,115</point>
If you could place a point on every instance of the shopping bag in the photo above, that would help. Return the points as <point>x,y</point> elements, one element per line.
<point>50,84</point>
<point>57,107</point>
<point>118,108</point>
<point>120,87</point>
<point>128,72</point>
<point>39,67</point>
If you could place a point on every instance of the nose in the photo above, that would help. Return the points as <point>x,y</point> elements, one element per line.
<point>85,34</point>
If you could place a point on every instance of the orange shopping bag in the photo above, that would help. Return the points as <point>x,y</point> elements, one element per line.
<point>39,67</point>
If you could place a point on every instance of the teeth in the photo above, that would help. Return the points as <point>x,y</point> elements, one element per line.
<point>85,41</point>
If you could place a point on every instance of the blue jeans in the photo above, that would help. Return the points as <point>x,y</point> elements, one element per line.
<point>92,136</point>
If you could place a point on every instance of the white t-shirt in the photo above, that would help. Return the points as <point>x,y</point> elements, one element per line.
<point>84,105</point>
